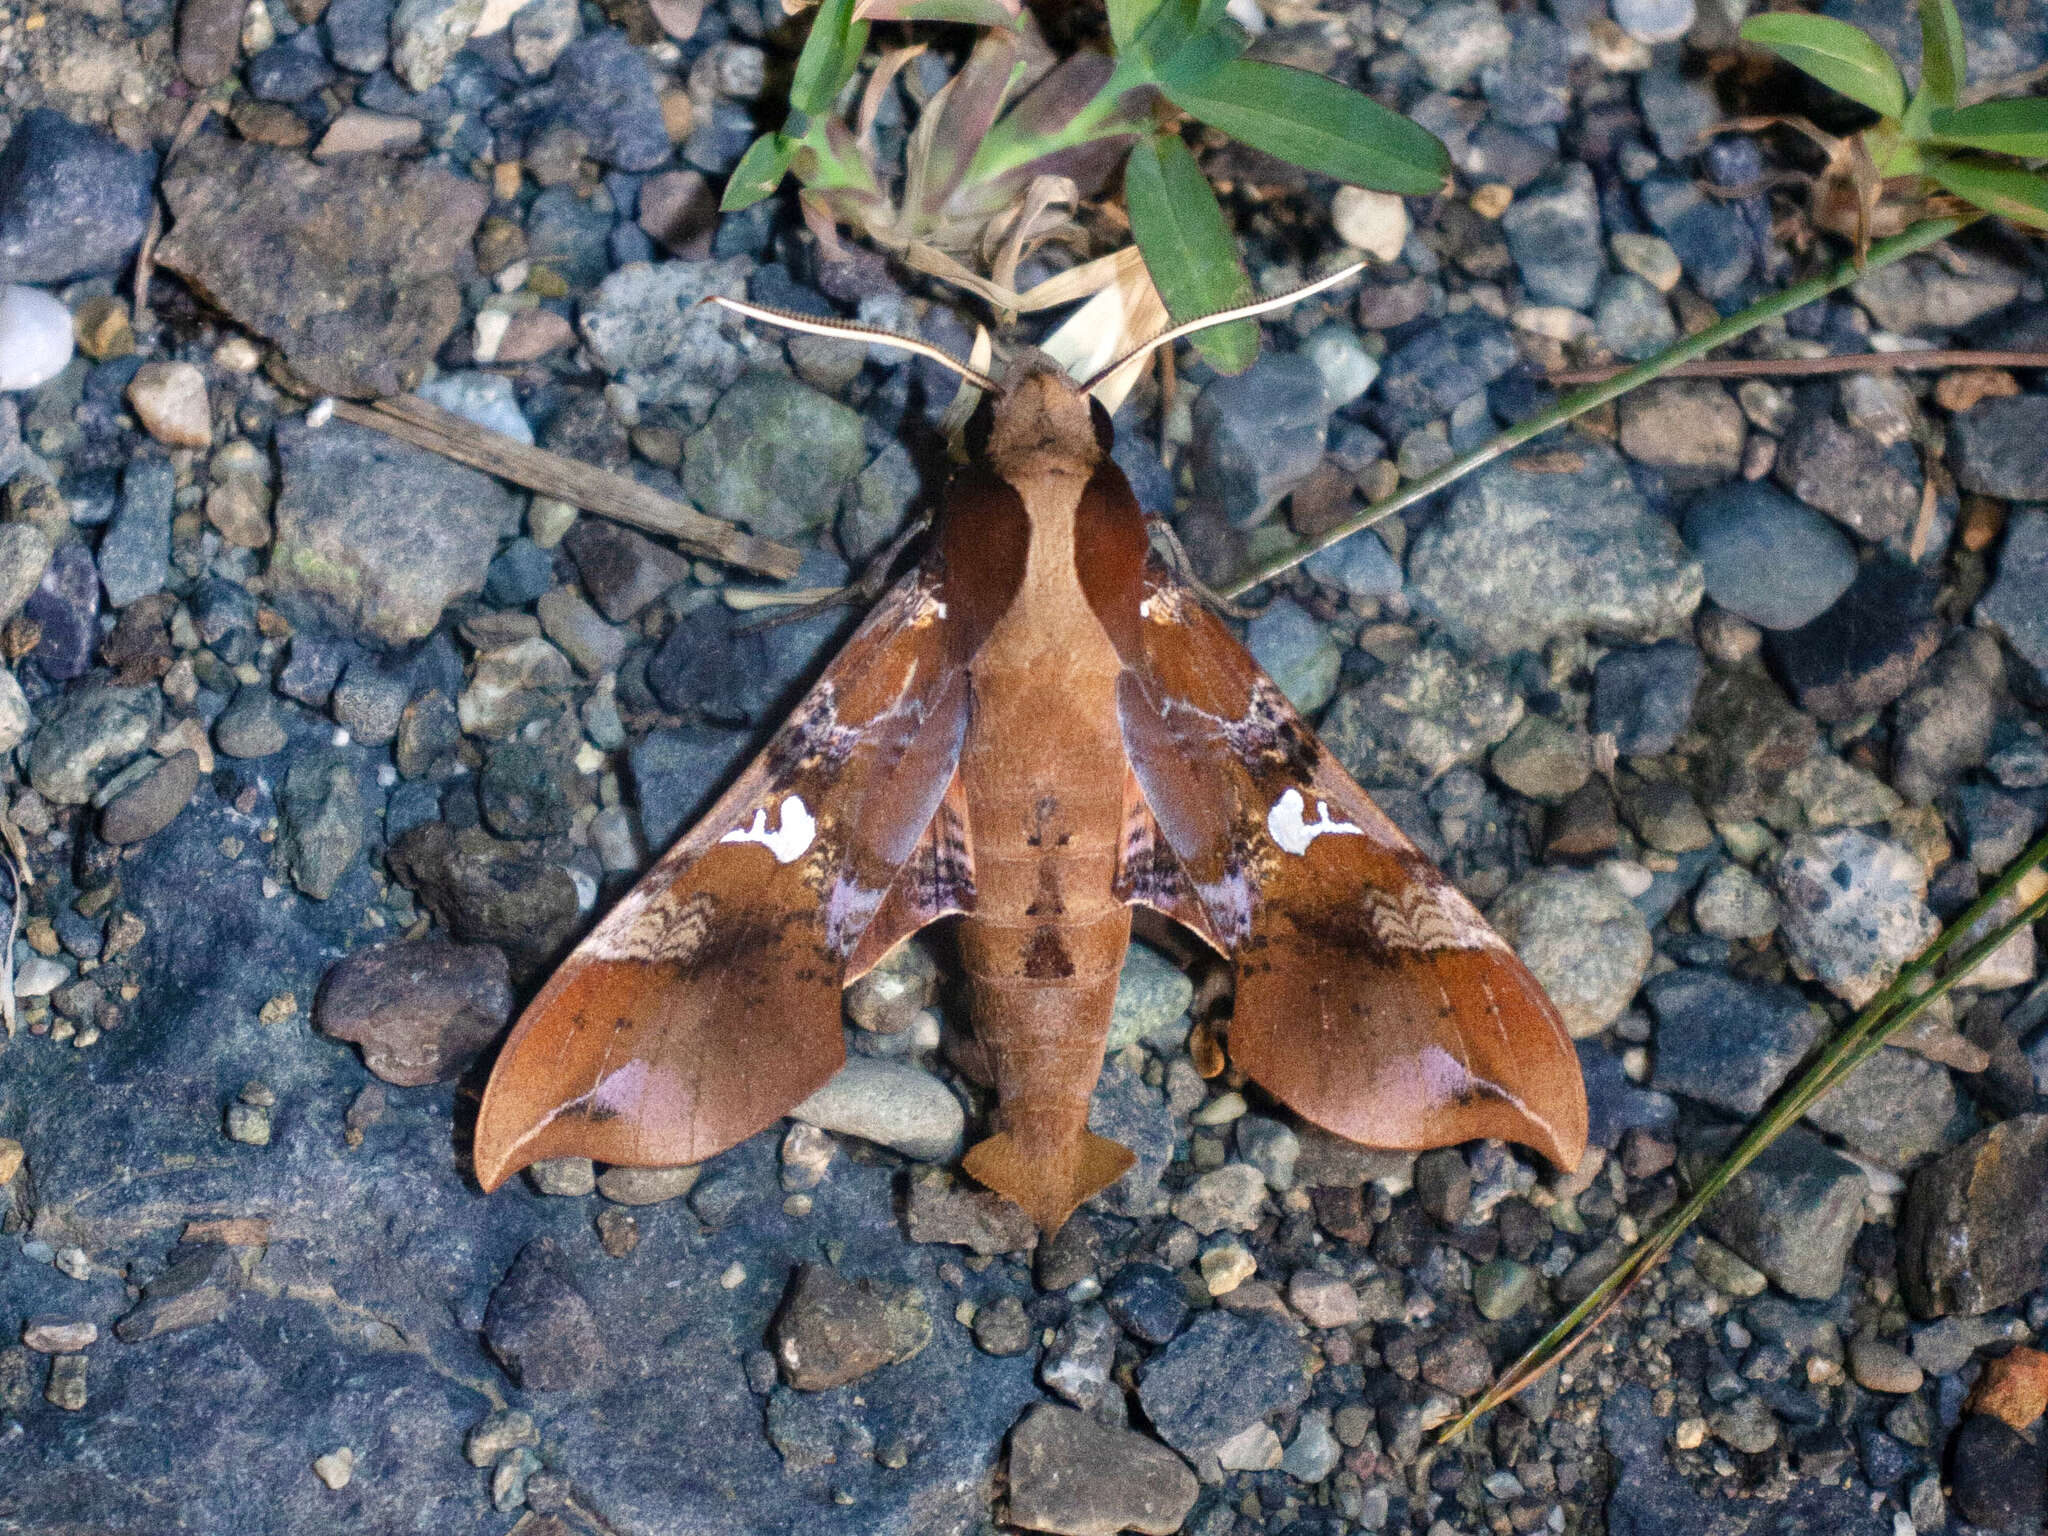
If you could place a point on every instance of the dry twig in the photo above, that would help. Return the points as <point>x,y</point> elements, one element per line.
<point>425,425</point>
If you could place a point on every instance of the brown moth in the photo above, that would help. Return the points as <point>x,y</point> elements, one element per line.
<point>1039,728</point>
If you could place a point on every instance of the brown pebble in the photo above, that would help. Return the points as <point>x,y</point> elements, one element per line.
<point>2014,1387</point>
<point>170,399</point>
<point>1982,521</point>
<point>618,1233</point>
<point>678,113</point>
<point>421,1011</point>
<point>58,1335</point>
<point>678,210</point>
<point>148,807</point>
<point>357,132</point>
<point>1492,200</point>
<point>1961,388</point>
<point>102,328</point>
<point>533,334</point>
<point>270,122</point>
<point>67,1382</point>
<point>646,1186</point>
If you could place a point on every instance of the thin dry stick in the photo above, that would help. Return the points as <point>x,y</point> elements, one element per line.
<point>145,259</point>
<point>1802,367</point>
<point>425,425</point>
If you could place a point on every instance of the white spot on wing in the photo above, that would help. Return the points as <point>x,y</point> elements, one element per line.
<point>796,829</point>
<point>1292,832</point>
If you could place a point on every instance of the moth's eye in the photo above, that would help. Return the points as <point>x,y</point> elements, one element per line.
<point>979,426</point>
<point>1105,434</point>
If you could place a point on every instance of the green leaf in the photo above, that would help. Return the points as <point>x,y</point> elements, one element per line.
<point>759,172</point>
<point>1127,19</point>
<point>974,13</point>
<point>1187,247</point>
<point>1836,54</point>
<point>2017,127</point>
<point>2006,190</point>
<point>1195,62</point>
<point>831,54</point>
<point>1941,52</point>
<point>1317,124</point>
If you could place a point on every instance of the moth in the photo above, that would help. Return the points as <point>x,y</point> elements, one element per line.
<point>1039,728</point>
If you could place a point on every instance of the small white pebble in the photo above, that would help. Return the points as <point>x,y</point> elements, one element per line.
<point>320,412</point>
<point>1630,877</point>
<point>734,1277</point>
<point>336,1467</point>
<point>35,337</point>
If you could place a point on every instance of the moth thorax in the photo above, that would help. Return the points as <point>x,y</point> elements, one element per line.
<point>1042,417</point>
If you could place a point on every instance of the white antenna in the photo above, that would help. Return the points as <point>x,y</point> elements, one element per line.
<point>1224,316</point>
<point>848,330</point>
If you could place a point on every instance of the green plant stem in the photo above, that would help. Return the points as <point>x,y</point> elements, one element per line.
<point>1917,238</point>
<point>1882,1017</point>
<point>1003,150</point>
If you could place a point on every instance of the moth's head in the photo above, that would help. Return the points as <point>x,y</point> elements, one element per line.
<point>1040,415</point>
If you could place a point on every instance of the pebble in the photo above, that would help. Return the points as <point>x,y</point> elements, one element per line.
<point>1581,938</point>
<point>421,1011</point>
<point>1257,436</point>
<point>1732,903</point>
<point>1148,1301</point>
<point>487,399</point>
<point>1881,1367</point>
<point>893,1103</point>
<point>604,86</point>
<point>336,1467</point>
<point>1226,1266</point>
<point>1324,1301</point>
<point>35,337</point>
<point>1551,543</point>
<point>86,735</point>
<point>540,1326</point>
<point>1894,1110</point>
<point>1692,429</point>
<point>148,805</point>
<point>775,456</point>
<point>1543,759</point>
<point>1078,1363</point>
<point>1360,565</point>
<point>1648,257</point>
<point>1793,1213</point>
<point>1373,222</point>
<point>1850,476</point>
<point>2013,1388</point>
<point>1454,42</point>
<point>1297,652</point>
<point>1072,1474</point>
<point>1227,1373</point>
<point>135,552</point>
<point>1996,1475</point>
<point>1995,447</point>
<point>1348,370</point>
<point>569,1176</point>
<point>1655,21</point>
<point>1974,1226</point>
<point>249,726</point>
<point>1725,1041</point>
<point>1553,231</point>
<point>426,34</point>
<point>16,718</point>
<point>1747,1424</point>
<point>24,556</point>
<point>1501,1288</point>
<point>74,201</point>
<point>1643,698</point>
<point>1855,910</point>
<point>1152,998</point>
<point>1766,557</point>
<point>1633,318</point>
<point>647,1186</point>
<point>2013,607</point>
<point>1229,1198</point>
<point>833,1330</point>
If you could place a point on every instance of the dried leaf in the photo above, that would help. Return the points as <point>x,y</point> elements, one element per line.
<point>1123,314</point>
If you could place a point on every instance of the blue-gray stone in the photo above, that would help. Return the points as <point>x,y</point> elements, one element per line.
<point>603,86</point>
<point>135,552</point>
<point>1773,560</point>
<point>1999,447</point>
<point>1794,1212</point>
<point>1632,317</point>
<point>385,92</point>
<point>1297,652</point>
<point>1532,87</point>
<point>289,71</point>
<point>1677,110</point>
<point>65,607</point>
<point>1643,697</point>
<point>1433,371</point>
<point>1147,1301</point>
<point>487,399</point>
<point>521,573</point>
<point>775,456</point>
<point>1727,1042</point>
<point>1258,435</point>
<point>1713,240</point>
<point>720,137</point>
<point>1227,1372</point>
<point>314,666</point>
<point>358,33</point>
<point>2017,604</point>
<point>1130,1112</point>
<point>1361,565</point>
<point>1553,232</point>
<point>1150,481</point>
<point>569,237</point>
<point>73,200</point>
<point>676,773</point>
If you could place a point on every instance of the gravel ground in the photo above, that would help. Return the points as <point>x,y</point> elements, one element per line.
<point>324,748</point>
